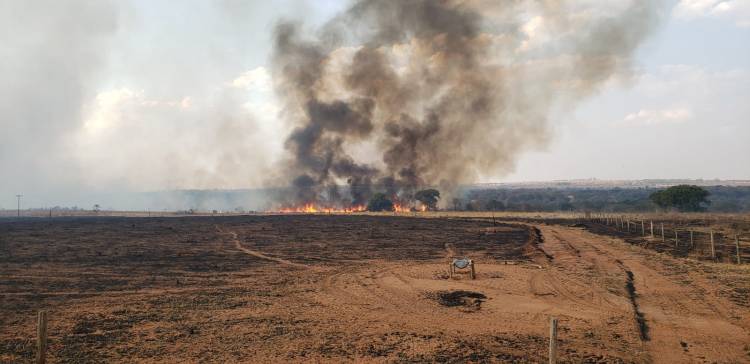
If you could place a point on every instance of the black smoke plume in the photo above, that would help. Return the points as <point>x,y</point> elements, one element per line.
<point>438,92</point>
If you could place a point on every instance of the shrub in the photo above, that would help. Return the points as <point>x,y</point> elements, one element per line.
<point>380,202</point>
<point>428,197</point>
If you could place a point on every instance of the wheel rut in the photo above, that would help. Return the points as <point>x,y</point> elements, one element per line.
<point>235,239</point>
<point>678,316</point>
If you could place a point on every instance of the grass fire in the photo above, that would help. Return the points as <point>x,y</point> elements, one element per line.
<point>375,181</point>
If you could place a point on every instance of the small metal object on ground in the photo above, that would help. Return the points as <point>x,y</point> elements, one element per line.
<point>462,263</point>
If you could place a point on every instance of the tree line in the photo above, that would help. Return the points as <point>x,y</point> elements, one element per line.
<point>677,198</point>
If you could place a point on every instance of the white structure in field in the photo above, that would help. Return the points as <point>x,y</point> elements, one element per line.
<point>462,263</point>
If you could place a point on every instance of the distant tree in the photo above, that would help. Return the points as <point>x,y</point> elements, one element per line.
<point>97,208</point>
<point>494,205</point>
<point>470,206</point>
<point>726,206</point>
<point>682,198</point>
<point>566,206</point>
<point>428,197</point>
<point>456,204</point>
<point>380,202</point>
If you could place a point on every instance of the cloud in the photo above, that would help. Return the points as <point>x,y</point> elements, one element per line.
<point>52,54</point>
<point>132,139</point>
<point>735,10</point>
<point>257,79</point>
<point>658,116</point>
<point>86,106</point>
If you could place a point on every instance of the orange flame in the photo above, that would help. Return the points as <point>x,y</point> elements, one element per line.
<point>314,209</point>
<point>400,208</point>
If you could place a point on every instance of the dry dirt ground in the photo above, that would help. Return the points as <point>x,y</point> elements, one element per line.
<point>358,288</point>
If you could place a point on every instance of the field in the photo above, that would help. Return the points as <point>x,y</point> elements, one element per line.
<point>333,288</point>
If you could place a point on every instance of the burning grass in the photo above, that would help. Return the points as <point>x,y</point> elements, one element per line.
<point>312,208</point>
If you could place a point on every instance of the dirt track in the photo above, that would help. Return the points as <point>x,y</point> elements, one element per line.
<point>687,315</point>
<point>373,289</point>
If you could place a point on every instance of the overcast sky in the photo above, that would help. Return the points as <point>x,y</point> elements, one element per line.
<point>154,95</point>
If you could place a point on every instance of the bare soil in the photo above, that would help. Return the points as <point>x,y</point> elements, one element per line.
<point>357,288</point>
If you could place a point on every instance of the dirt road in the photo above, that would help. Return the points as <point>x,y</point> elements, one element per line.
<point>685,312</point>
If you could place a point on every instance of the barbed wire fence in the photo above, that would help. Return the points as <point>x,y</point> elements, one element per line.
<point>703,242</point>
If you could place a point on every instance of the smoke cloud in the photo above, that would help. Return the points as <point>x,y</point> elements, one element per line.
<point>102,99</point>
<point>50,53</point>
<point>399,95</point>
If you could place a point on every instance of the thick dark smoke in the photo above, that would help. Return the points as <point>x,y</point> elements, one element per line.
<point>439,91</point>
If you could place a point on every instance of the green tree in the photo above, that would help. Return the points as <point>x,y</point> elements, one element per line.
<point>682,198</point>
<point>428,197</point>
<point>380,202</point>
<point>494,205</point>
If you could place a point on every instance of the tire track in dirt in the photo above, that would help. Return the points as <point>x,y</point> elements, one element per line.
<point>565,274</point>
<point>383,288</point>
<point>145,291</point>
<point>235,239</point>
<point>675,322</point>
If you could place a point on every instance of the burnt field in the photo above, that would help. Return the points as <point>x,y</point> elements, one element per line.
<point>352,287</point>
<point>158,288</point>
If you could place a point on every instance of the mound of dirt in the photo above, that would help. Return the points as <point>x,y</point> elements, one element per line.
<point>468,300</point>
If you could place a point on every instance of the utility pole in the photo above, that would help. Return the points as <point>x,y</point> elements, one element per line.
<point>18,210</point>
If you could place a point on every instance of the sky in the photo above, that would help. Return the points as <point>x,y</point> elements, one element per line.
<point>100,97</point>
<point>684,115</point>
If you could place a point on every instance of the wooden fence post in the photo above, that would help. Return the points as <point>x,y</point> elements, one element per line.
<point>652,228</point>
<point>675,237</point>
<point>691,238</point>
<point>41,337</point>
<point>713,249</point>
<point>643,229</point>
<point>737,245</point>
<point>662,233</point>
<point>553,341</point>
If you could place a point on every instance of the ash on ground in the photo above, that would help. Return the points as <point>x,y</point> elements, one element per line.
<point>467,300</point>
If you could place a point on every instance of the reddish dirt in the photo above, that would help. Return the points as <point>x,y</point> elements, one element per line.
<point>357,288</point>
